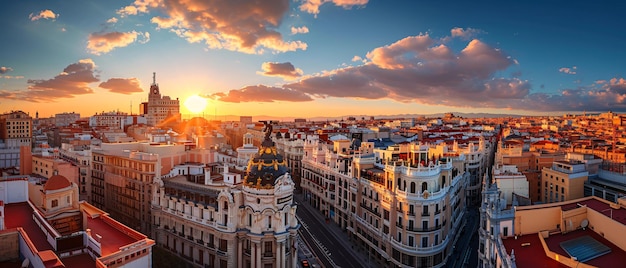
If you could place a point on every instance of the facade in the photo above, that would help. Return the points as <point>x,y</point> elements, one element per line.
<point>16,130</point>
<point>404,209</point>
<point>47,165</point>
<point>565,180</point>
<point>215,217</point>
<point>161,109</point>
<point>123,174</point>
<point>65,119</point>
<point>113,120</point>
<point>78,153</point>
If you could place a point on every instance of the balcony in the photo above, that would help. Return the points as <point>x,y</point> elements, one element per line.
<point>374,211</point>
<point>437,212</point>
<point>431,250</point>
<point>425,214</point>
<point>424,230</point>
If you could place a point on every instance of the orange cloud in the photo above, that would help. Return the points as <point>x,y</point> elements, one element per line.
<point>465,34</point>
<point>313,6</point>
<point>244,26</point>
<point>286,70</point>
<point>299,30</point>
<point>4,70</point>
<point>101,43</point>
<point>261,93</point>
<point>122,85</point>
<point>44,14</point>
<point>73,81</point>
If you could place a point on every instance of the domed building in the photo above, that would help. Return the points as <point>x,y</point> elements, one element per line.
<point>217,216</point>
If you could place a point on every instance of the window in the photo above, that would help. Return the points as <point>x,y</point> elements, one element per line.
<point>55,203</point>
<point>505,231</point>
<point>425,241</point>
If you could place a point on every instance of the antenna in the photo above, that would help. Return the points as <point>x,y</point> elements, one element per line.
<point>154,78</point>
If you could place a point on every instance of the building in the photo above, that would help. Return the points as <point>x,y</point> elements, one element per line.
<point>161,109</point>
<point>548,235</point>
<point>16,130</point>
<point>44,225</point>
<point>123,176</point>
<point>216,217</point>
<point>565,180</point>
<point>404,209</point>
<point>112,120</point>
<point>65,119</point>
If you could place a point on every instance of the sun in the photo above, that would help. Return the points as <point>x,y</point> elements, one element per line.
<point>195,104</point>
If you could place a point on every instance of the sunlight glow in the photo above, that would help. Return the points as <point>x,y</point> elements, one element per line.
<point>195,104</point>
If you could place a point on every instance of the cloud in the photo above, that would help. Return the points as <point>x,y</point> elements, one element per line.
<point>44,14</point>
<point>122,85</point>
<point>101,43</point>
<point>358,59</point>
<point>423,70</point>
<point>12,77</point>
<point>566,70</point>
<point>465,34</point>
<point>286,70</point>
<point>313,6</point>
<point>4,70</point>
<point>299,30</point>
<point>112,20</point>
<point>243,26</point>
<point>73,81</point>
<point>261,93</point>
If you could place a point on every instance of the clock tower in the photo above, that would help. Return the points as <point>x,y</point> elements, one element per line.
<point>154,89</point>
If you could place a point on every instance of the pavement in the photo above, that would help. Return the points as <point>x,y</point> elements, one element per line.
<point>330,243</point>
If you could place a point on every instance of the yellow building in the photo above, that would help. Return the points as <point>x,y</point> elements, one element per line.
<point>563,181</point>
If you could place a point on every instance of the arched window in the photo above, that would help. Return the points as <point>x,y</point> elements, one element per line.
<point>403,185</point>
<point>424,186</point>
<point>412,187</point>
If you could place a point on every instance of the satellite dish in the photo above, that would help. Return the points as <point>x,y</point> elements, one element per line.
<point>584,224</point>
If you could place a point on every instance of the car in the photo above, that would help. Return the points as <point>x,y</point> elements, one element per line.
<point>305,263</point>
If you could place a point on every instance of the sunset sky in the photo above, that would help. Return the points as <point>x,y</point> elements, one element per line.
<point>307,58</point>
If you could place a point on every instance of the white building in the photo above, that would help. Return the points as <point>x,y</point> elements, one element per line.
<point>215,216</point>
<point>65,119</point>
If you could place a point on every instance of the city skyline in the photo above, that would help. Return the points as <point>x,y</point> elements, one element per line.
<point>314,58</point>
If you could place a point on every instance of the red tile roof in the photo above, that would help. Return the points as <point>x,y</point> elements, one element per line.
<point>56,182</point>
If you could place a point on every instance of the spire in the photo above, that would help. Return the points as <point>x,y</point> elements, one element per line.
<point>154,78</point>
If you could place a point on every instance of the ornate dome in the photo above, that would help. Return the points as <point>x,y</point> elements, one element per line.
<point>267,165</point>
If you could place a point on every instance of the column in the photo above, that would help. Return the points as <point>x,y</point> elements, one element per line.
<point>279,255</point>
<point>258,255</point>
<point>253,254</point>
<point>239,252</point>
<point>282,254</point>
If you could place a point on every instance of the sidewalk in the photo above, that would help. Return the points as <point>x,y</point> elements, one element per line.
<point>335,230</point>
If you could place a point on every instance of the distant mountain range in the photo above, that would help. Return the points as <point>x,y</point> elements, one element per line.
<point>256,118</point>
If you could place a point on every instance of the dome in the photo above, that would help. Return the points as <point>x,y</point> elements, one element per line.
<point>56,182</point>
<point>267,165</point>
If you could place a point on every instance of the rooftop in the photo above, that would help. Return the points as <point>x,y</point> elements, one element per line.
<point>617,214</point>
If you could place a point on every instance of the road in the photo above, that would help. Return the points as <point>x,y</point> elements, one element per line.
<point>466,248</point>
<point>326,240</point>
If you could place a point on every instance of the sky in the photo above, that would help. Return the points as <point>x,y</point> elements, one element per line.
<point>315,58</point>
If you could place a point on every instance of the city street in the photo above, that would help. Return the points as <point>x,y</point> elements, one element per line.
<point>466,248</point>
<point>328,242</point>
